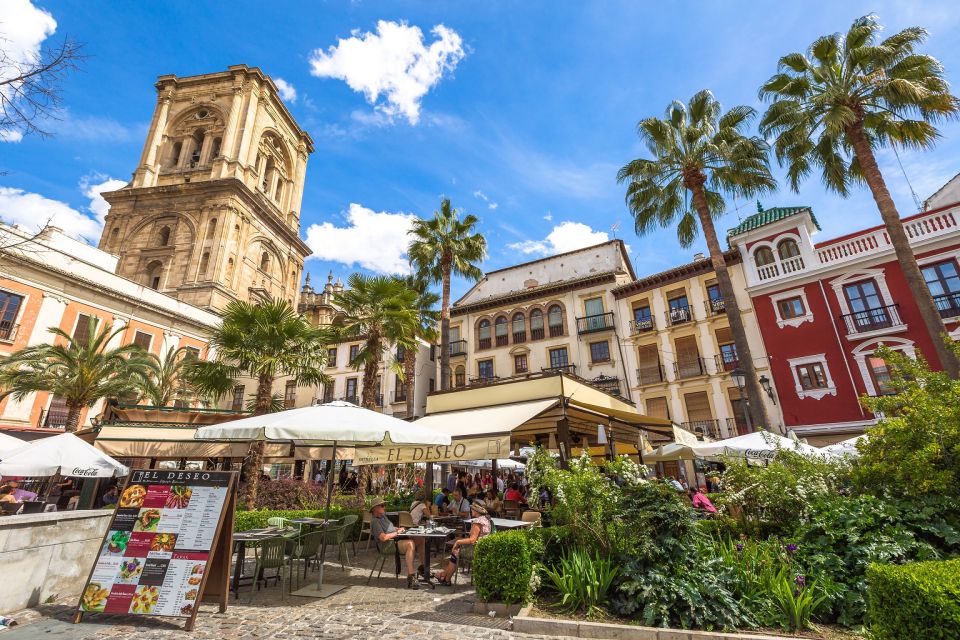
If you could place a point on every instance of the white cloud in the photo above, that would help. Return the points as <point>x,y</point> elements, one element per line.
<point>374,240</point>
<point>287,91</point>
<point>23,28</point>
<point>10,135</point>
<point>393,63</point>
<point>481,195</point>
<point>548,217</point>
<point>33,210</point>
<point>566,236</point>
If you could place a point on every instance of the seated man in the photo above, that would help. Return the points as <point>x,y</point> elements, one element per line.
<point>382,530</point>
<point>459,505</point>
<point>442,501</point>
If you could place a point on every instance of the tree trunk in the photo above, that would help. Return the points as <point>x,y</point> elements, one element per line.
<point>73,418</point>
<point>254,461</point>
<point>902,249</point>
<point>445,325</point>
<point>758,410</point>
<point>368,400</point>
<point>409,379</point>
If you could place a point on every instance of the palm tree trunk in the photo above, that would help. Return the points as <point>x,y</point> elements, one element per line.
<point>409,378</point>
<point>73,418</point>
<point>758,410</point>
<point>368,400</point>
<point>902,249</point>
<point>254,461</point>
<point>445,325</point>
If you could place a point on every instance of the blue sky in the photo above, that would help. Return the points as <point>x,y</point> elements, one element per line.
<point>525,125</point>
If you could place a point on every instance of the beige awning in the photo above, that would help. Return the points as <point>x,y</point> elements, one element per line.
<point>471,423</point>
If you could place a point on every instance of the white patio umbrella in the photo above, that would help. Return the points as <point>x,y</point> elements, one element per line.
<point>845,448</point>
<point>670,452</point>
<point>335,424</point>
<point>63,454</point>
<point>760,445</point>
<point>9,444</point>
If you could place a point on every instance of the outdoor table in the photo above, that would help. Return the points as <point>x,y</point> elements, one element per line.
<point>240,540</point>
<point>435,533</point>
<point>503,523</point>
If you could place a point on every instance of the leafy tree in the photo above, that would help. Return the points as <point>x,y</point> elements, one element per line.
<point>81,371</point>
<point>265,342</point>
<point>698,153</point>
<point>427,331</point>
<point>914,450</point>
<point>442,246</point>
<point>850,95</point>
<point>166,377</point>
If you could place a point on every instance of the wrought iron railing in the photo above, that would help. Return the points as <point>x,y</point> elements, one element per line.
<point>872,319</point>
<point>652,374</point>
<point>596,322</point>
<point>679,315</point>
<point>458,348</point>
<point>690,368</point>
<point>948,305</point>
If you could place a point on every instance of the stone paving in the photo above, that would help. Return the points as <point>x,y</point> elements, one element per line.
<point>385,610</point>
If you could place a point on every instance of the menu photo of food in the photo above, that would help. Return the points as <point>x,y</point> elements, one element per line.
<point>133,496</point>
<point>178,498</point>
<point>147,520</point>
<point>94,597</point>
<point>130,570</point>
<point>196,574</point>
<point>144,599</point>
<point>163,542</point>
<point>116,543</point>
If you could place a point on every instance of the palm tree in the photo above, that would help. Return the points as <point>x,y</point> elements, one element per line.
<point>698,153</point>
<point>166,377</point>
<point>265,342</point>
<point>380,311</point>
<point>850,95</point>
<point>80,371</point>
<point>442,246</point>
<point>427,316</point>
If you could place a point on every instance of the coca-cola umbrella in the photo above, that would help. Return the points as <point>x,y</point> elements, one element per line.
<point>9,444</point>
<point>64,454</point>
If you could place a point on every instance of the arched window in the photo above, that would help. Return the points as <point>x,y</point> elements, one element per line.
<point>279,191</point>
<point>211,228</point>
<point>519,328</point>
<point>483,334</point>
<point>763,256</point>
<point>459,376</point>
<point>536,324</point>
<point>236,232</point>
<point>229,270</point>
<point>164,239</point>
<point>114,236</point>
<point>267,176</point>
<point>265,262</point>
<point>204,263</point>
<point>788,249</point>
<point>197,147</point>
<point>174,159</point>
<point>555,320</point>
<point>154,274</point>
<point>501,328</point>
<point>215,149</point>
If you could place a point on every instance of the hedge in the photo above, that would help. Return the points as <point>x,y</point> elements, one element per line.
<point>257,519</point>
<point>917,600</point>
<point>502,567</point>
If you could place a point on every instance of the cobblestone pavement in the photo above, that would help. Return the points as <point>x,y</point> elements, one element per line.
<point>384,610</point>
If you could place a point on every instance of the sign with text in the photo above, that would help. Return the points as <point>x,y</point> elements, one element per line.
<point>488,448</point>
<point>156,555</point>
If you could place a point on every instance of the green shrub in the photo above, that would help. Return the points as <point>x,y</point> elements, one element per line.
<point>502,567</point>
<point>547,544</point>
<point>582,579</point>
<point>920,600</point>
<point>246,520</point>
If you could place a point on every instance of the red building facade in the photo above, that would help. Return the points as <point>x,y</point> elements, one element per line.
<point>823,308</point>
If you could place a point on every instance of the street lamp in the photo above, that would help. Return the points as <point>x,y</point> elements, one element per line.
<point>740,379</point>
<point>765,383</point>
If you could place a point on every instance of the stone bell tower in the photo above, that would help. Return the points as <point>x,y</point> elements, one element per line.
<point>213,211</point>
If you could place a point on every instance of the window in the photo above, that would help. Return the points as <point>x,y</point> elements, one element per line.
<point>57,412</point>
<point>459,376</point>
<point>142,340</point>
<point>811,376</point>
<point>399,390</point>
<point>728,357</point>
<point>714,299</point>
<point>237,404</point>
<point>788,249</point>
<point>401,354</point>
<point>204,264</point>
<point>943,281</point>
<point>649,370</point>
<point>657,408</point>
<point>81,331</point>
<point>351,395</point>
<point>164,236</point>
<point>332,357</point>
<point>175,154</point>
<point>265,262</point>
<point>519,328</point>
<point>600,351</point>
<point>679,309</point>
<point>555,320</point>
<point>593,310</point>
<point>791,308</point>
<point>431,385</point>
<point>558,358</point>
<point>354,352</point>
<point>689,363</point>
<point>9,308</point>
<point>880,373</point>
<point>867,309</point>
<point>154,274</point>
<point>485,369</point>
<point>211,228</point>
<point>500,325</point>
<point>433,353</point>
<point>483,335</point>
<point>536,324</point>
<point>290,394</point>
<point>191,354</point>
<point>520,363</point>
<point>763,256</point>
<point>642,319</point>
<point>328,392</point>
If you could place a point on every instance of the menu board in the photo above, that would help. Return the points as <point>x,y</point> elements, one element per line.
<point>159,544</point>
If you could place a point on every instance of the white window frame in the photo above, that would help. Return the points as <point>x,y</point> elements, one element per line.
<point>877,275</point>
<point>861,353</point>
<point>786,295</point>
<point>816,394</point>
<point>24,298</point>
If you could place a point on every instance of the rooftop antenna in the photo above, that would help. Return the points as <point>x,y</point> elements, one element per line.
<point>913,193</point>
<point>736,209</point>
<point>614,228</point>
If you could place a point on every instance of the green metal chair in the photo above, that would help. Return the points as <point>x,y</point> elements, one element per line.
<point>337,537</point>
<point>350,522</point>
<point>305,548</point>
<point>385,551</point>
<point>271,556</point>
<point>277,522</point>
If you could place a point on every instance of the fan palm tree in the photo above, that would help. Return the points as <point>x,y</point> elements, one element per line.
<point>698,153</point>
<point>380,311</point>
<point>265,342</point>
<point>81,371</point>
<point>442,246</point>
<point>427,316</point>
<point>848,96</point>
<point>166,379</point>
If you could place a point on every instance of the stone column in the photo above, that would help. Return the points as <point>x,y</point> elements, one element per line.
<point>149,161</point>
<point>229,142</point>
<point>249,125</point>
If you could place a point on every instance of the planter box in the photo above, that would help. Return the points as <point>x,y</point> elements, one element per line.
<point>582,629</point>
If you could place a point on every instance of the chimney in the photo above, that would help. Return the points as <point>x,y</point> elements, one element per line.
<point>697,257</point>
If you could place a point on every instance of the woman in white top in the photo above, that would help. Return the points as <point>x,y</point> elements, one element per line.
<point>417,509</point>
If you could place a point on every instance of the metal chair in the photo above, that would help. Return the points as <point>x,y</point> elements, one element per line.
<point>405,519</point>
<point>385,550</point>
<point>337,536</point>
<point>511,508</point>
<point>349,524</point>
<point>271,555</point>
<point>277,522</point>
<point>365,529</point>
<point>306,548</point>
<point>534,517</point>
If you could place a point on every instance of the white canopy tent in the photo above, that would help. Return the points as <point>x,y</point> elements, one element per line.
<point>502,463</point>
<point>670,452</point>
<point>845,448</point>
<point>63,454</point>
<point>9,444</point>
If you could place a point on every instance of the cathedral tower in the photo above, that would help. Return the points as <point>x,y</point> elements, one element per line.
<point>213,211</point>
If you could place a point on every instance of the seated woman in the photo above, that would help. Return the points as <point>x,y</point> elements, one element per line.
<point>700,501</point>
<point>480,527</point>
<point>493,504</point>
<point>418,508</point>
<point>6,494</point>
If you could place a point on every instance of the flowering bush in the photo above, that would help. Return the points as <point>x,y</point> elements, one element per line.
<point>626,471</point>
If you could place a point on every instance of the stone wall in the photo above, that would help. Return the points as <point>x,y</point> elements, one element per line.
<point>47,555</point>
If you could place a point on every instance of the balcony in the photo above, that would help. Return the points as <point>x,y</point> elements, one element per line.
<point>556,330</point>
<point>690,368</point>
<point>536,333</point>
<point>948,305</point>
<point>679,315</point>
<point>651,374</point>
<point>594,323</point>
<point>715,306</point>
<point>726,362</point>
<point>860,322</point>
<point>519,337</point>
<point>53,418</point>
<point>484,380</point>
<point>484,343</point>
<point>8,331</point>
<point>458,348</point>
<point>564,368</point>
<point>610,384</point>
<point>503,340</point>
<point>400,395</point>
<point>710,428</point>
<point>642,326</point>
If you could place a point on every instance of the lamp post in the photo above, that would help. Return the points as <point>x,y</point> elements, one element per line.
<point>765,383</point>
<point>740,379</point>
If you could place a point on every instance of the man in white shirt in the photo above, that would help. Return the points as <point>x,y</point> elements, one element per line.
<point>499,484</point>
<point>459,505</point>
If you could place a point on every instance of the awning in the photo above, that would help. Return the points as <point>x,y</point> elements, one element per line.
<point>626,415</point>
<point>471,423</point>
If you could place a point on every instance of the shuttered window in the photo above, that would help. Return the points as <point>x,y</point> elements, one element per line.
<point>698,406</point>
<point>81,332</point>
<point>687,351</point>
<point>290,394</point>
<point>724,335</point>
<point>648,356</point>
<point>657,408</point>
<point>142,340</point>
